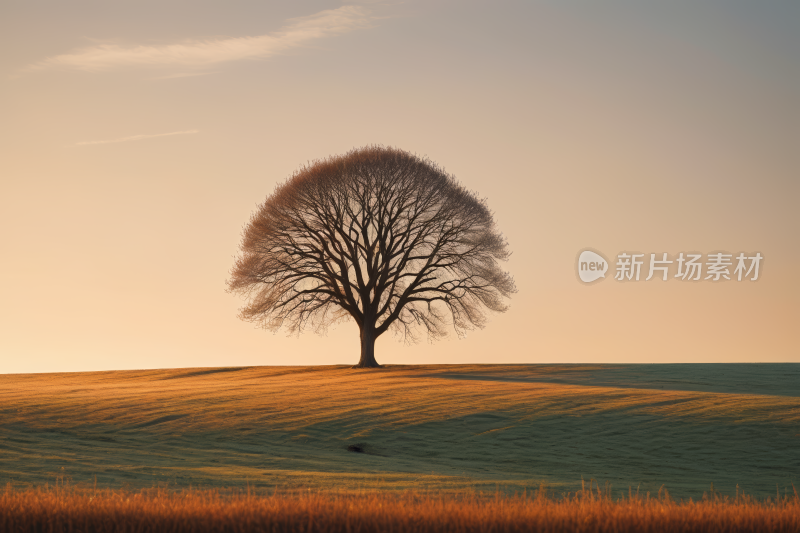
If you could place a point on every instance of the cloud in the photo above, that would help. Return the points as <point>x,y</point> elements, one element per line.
<point>204,53</point>
<point>137,137</point>
<point>185,75</point>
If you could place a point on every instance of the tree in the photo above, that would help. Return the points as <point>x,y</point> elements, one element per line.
<point>377,235</point>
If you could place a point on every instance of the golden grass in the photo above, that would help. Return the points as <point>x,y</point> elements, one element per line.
<point>285,398</point>
<point>58,509</point>
<point>444,427</point>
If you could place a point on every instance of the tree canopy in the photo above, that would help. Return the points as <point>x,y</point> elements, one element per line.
<point>378,235</point>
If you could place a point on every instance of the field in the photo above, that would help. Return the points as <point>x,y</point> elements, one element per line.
<point>442,429</point>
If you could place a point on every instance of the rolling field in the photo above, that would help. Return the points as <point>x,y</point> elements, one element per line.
<point>443,428</point>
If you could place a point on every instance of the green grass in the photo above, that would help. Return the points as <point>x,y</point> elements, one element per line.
<point>441,428</point>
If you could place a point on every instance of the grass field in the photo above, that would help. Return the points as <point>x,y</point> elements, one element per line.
<point>89,510</point>
<point>446,429</point>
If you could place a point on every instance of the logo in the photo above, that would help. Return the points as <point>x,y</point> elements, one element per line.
<point>591,266</point>
<point>687,266</point>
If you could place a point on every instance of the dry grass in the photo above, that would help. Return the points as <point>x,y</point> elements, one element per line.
<point>59,509</point>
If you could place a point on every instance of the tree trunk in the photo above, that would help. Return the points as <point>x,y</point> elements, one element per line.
<point>367,348</point>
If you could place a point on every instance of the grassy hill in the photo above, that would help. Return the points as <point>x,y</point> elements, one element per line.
<point>442,427</point>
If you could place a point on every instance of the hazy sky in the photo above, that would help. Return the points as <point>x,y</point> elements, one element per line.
<point>136,138</point>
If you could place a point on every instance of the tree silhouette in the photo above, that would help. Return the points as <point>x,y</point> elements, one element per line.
<point>377,235</point>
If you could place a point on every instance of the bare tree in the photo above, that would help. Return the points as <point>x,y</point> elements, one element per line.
<point>378,235</point>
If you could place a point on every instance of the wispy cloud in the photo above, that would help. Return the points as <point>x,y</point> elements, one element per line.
<point>137,137</point>
<point>204,53</point>
<point>185,75</point>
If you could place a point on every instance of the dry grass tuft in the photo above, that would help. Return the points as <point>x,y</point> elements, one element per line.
<point>58,509</point>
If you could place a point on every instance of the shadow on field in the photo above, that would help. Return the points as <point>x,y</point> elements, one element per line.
<point>774,379</point>
<point>206,372</point>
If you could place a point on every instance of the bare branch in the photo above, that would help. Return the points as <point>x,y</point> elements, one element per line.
<point>379,235</point>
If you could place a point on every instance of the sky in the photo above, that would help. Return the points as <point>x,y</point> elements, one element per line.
<point>137,138</point>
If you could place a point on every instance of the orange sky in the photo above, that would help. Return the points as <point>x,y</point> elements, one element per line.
<point>137,138</point>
